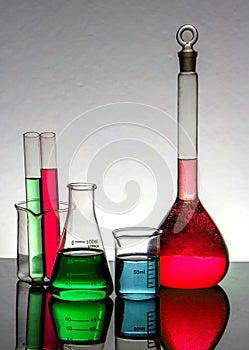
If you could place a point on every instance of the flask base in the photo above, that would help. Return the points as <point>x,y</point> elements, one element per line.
<point>191,272</point>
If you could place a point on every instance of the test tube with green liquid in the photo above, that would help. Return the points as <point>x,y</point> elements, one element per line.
<point>32,163</point>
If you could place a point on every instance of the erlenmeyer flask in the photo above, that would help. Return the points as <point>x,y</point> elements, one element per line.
<point>81,270</point>
<point>193,252</point>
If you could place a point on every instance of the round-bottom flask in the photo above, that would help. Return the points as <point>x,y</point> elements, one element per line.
<point>81,271</point>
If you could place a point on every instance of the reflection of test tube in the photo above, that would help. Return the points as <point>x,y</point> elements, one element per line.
<point>33,330</point>
<point>32,162</point>
<point>49,198</point>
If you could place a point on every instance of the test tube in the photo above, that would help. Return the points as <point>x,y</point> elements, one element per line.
<point>32,164</point>
<point>49,199</point>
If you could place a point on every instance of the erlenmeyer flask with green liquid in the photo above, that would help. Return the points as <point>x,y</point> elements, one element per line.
<point>81,270</point>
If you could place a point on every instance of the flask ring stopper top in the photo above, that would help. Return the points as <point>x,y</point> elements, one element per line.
<point>179,36</point>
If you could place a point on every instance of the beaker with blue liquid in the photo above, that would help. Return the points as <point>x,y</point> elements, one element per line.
<point>137,260</point>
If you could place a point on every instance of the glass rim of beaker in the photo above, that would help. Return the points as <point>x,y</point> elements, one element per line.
<point>82,186</point>
<point>140,231</point>
<point>22,206</point>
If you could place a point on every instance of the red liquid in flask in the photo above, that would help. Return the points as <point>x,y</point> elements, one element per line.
<point>49,192</point>
<point>193,253</point>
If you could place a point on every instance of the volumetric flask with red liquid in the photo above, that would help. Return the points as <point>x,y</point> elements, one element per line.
<point>193,251</point>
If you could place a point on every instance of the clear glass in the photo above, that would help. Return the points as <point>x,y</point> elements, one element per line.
<point>193,319</point>
<point>49,198</point>
<point>30,246</point>
<point>81,271</point>
<point>32,164</point>
<point>137,260</point>
<point>34,329</point>
<point>193,251</point>
<point>78,323</point>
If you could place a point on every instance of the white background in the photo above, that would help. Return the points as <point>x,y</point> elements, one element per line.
<point>102,75</point>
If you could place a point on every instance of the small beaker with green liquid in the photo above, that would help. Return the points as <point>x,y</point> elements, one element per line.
<point>81,270</point>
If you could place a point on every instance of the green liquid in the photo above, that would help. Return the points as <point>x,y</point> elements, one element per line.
<point>34,318</point>
<point>34,229</point>
<point>81,274</point>
<point>82,322</point>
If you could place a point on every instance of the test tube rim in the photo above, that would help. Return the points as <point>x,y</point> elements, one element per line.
<point>47,134</point>
<point>31,134</point>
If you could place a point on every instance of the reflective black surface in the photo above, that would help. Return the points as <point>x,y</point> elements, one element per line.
<point>235,286</point>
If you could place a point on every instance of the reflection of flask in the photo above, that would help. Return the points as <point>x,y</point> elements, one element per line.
<point>193,252</point>
<point>81,322</point>
<point>33,328</point>
<point>81,270</point>
<point>137,322</point>
<point>193,319</point>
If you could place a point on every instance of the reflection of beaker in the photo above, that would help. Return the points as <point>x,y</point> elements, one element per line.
<point>193,319</point>
<point>30,250</point>
<point>137,260</point>
<point>81,270</point>
<point>137,322</point>
<point>81,322</point>
<point>33,323</point>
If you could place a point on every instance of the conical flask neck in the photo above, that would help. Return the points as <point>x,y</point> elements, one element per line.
<point>81,229</point>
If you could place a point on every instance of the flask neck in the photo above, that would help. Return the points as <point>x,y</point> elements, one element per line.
<point>81,230</point>
<point>81,198</point>
<point>187,179</point>
<point>187,122</point>
<point>187,115</point>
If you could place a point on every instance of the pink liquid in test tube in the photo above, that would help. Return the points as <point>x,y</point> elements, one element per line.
<point>50,201</point>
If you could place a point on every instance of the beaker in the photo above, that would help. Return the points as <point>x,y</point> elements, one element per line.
<point>81,271</point>
<point>137,260</point>
<point>29,231</point>
<point>81,322</point>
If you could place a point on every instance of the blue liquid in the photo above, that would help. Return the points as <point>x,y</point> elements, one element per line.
<point>137,319</point>
<point>137,274</point>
